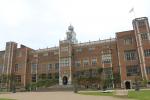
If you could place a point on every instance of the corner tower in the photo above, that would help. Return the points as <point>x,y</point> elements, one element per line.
<point>142,35</point>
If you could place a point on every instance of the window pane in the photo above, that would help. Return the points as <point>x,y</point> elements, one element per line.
<point>133,70</point>
<point>130,55</point>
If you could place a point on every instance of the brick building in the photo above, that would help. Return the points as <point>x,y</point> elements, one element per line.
<point>128,54</point>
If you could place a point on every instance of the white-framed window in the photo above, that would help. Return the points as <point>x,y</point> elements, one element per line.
<point>147,53</point>
<point>85,62</point>
<point>128,41</point>
<point>130,54</point>
<point>106,58</point>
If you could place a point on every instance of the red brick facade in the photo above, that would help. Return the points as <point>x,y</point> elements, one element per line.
<point>128,54</point>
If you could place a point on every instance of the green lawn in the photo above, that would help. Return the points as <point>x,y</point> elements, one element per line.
<point>5,99</point>
<point>137,95</point>
<point>140,95</point>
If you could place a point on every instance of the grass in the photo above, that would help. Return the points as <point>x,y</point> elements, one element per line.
<point>137,95</point>
<point>6,99</point>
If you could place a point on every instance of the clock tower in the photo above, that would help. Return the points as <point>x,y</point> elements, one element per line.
<point>65,57</point>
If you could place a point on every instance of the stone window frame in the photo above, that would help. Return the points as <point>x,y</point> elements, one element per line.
<point>144,36</point>
<point>130,55</point>
<point>147,52</point>
<point>132,70</point>
<point>94,61</point>
<point>128,40</point>
<point>85,62</point>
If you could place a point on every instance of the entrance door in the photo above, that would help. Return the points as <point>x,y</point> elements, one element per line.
<point>65,80</point>
<point>127,84</point>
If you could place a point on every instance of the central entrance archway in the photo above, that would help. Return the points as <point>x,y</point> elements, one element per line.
<point>65,80</point>
<point>127,85</point>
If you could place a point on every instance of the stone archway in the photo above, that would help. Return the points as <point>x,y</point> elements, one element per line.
<point>65,80</point>
<point>128,85</point>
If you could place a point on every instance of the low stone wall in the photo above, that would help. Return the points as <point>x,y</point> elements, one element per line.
<point>121,92</point>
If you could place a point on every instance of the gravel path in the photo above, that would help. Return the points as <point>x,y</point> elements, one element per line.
<point>55,96</point>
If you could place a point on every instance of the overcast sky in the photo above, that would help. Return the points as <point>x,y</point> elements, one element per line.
<point>42,23</point>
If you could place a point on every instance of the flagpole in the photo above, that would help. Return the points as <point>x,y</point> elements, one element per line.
<point>134,13</point>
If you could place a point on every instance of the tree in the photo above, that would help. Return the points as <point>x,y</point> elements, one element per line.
<point>100,72</point>
<point>116,79</point>
<point>6,81</point>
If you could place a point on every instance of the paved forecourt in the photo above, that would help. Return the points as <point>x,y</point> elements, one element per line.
<point>55,96</point>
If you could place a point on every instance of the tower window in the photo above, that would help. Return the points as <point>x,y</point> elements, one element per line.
<point>64,49</point>
<point>141,23</point>
<point>64,62</point>
<point>144,36</point>
<point>147,53</point>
